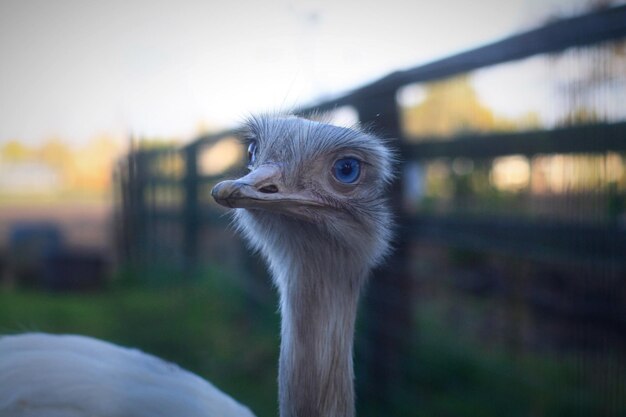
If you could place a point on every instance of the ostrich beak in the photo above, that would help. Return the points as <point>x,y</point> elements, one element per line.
<point>262,188</point>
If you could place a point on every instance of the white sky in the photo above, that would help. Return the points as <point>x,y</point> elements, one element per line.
<point>77,68</point>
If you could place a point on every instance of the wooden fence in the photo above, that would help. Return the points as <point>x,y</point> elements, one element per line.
<point>167,188</point>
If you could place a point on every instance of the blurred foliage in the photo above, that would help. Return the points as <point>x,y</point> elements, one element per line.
<point>67,171</point>
<point>452,106</point>
<point>14,150</point>
<point>455,375</point>
<point>54,152</point>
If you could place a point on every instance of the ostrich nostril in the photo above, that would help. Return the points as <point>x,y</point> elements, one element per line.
<point>269,189</point>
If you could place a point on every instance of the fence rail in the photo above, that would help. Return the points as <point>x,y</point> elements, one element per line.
<point>600,246</point>
<point>578,139</point>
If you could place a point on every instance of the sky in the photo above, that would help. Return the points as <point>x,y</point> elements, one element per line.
<point>75,69</point>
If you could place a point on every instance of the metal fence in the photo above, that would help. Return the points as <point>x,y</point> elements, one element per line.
<point>545,256</point>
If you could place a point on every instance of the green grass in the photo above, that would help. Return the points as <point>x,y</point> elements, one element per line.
<point>452,374</point>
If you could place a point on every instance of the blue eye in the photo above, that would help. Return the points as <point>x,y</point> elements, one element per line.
<point>347,170</point>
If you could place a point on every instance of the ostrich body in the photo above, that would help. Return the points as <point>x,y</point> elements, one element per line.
<point>43,375</point>
<point>313,205</point>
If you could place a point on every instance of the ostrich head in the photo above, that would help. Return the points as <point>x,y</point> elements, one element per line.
<point>313,189</point>
<point>313,204</point>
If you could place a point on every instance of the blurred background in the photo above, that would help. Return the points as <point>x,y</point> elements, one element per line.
<point>506,295</point>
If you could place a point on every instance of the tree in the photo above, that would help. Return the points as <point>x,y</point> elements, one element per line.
<point>55,153</point>
<point>15,151</point>
<point>451,107</point>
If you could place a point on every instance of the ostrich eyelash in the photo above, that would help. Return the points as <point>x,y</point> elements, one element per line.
<point>252,148</point>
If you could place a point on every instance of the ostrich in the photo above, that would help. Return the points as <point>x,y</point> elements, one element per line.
<point>313,205</point>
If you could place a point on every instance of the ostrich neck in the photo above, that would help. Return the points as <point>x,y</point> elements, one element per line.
<point>318,303</point>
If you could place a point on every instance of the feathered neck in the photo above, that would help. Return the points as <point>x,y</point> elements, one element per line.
<point>319,279</point>
<point>318,306</point>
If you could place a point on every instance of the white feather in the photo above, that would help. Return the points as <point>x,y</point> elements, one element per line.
<point>77,376</point>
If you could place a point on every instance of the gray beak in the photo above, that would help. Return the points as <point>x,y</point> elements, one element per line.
<point>262,188</point>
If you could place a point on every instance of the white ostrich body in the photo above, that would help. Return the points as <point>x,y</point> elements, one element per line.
<point>45,375</point>
<point>313,205</point>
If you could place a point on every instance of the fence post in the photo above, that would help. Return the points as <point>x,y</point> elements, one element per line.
<point>190,211</point>
<point>388,303</point>
<point>136,190</point>
<point>123,211</point>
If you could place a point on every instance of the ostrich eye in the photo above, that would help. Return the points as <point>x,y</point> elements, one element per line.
<point>347,170</point>
<point>252,152</point>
